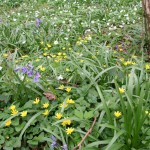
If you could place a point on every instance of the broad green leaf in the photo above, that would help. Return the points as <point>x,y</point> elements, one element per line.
<point>79,114</point>
<point>2,139</point>
<point>88,115</point>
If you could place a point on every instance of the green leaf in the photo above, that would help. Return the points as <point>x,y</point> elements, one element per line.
<point>28,105</point>
<point>116,136</point>
<point>97,143</point>
<point>93,148</point>
<point>15,122</point>
<point>8,148</point>
<point>79,114</point>
<point>32,142</point>
<point>5,98</point>
<point>2,139</point>
<point>28,123</point>
<point>17,143</point>
<point>19,127</point>
<point>88,115</point>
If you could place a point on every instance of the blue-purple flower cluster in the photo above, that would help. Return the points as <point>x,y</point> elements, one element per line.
<point>56,145</point>
<point>38,21</point>
<point>28,70</point>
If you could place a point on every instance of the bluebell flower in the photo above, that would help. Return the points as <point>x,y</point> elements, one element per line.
<point>53,138</point>
<point>16,69</point>
<point>38,21</point>
<point>54,144</point>
<point>64,147</point>
<point>36,77</point>
<point>30,66</point>
<point>24,70</point>
<point>30,73</point>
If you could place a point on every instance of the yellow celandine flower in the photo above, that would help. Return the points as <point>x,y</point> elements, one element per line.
<point>44,54</point>
<point>63,105</point>
<point>85,41</point>
<point>41,42</point>
<point>133,63</point>
<point>61,87</point>
<point>42,68</point>
<point>146,112</point>
<point>67,69</point>
<point>66,122</point>
<point>117,114</point>
<point>16,61</point>
<point>36,101</point>
<point>70,101</point>
<point>121,90</point>
<point>49,46</point>
<point>125,63</point>
<point>8,123</point>
<point>104,66</point>
<point>53,56</point>
<point>78,43</point>
<point>81,61</point>
<point>63,48</point>
<point>122,59</point>
<point>65,57</point>
<point>79,38</point>
<point>89,38</point>
<point>5,55</point>
<point>93,56</point>
<point>68,89</point>
<point>128,63</point>
<point>24,114</point>
<point>58,116</point>
<point>37,60</point>
<point>14,112</point>
<point>134,56</point>
<point>59,54</point>
<point>147,66</point>
<point>45,49</point>
<point>69,130</point>
<point>45,105</point>
<point>56,60</point>
<point>12,107</point>
<point>120,49</point>
<point>46,112</point>
<point>25,56</point>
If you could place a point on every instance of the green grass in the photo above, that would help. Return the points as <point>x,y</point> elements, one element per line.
<point>94,48</point>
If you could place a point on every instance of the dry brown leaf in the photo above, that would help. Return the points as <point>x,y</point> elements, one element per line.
<point>50,96</point>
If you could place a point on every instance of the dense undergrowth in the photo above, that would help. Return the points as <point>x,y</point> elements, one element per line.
<point>65,65</point>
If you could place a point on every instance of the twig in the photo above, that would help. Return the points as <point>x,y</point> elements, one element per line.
<point>89,131</point>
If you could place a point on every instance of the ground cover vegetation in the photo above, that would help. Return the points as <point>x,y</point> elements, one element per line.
<point>74,74</point>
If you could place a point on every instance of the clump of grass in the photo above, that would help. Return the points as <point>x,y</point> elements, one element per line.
<point>67,64</point>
